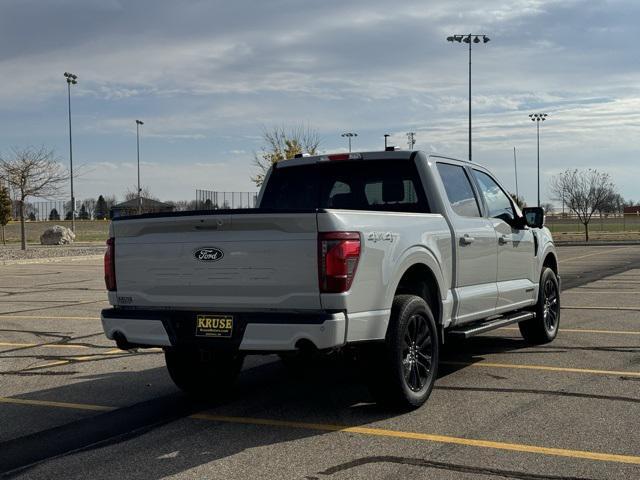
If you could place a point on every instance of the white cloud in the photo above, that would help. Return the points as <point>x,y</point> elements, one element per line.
<point>206,77</point>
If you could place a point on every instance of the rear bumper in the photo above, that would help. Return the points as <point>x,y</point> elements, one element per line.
<point>252,331</point>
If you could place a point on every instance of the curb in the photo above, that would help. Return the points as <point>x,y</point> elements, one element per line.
<point>31,261</point>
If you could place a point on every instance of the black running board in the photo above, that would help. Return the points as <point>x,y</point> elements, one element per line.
<point>465,332</point>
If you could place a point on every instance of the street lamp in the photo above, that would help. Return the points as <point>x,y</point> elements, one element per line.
<point>138,123</point>
<point>386,135</point>
<point>71,80</point>
<point>349,135</point>
<point>538,117</point>
<point>468,39</point>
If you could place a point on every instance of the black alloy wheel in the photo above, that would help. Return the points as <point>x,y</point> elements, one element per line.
<point>543,328</point>
<point>417,353</point>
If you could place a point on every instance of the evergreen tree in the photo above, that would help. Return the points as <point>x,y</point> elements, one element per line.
<point>54,215</point>
<point>102,210</point>
<point>5,210</point>
<point>83,214</point>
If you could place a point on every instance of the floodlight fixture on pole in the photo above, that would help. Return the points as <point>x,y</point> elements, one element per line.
<point>72,79</point>
<point>538,117</point>
<point>349,135</point>
<point>469,39</point>
<point>386,135</point>
<point>411,139</point>
<point>138,123</point>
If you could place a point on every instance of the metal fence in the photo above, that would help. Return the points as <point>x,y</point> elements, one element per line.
<point>629,222</point>
<point>46,210</point>
<point>210,200</point>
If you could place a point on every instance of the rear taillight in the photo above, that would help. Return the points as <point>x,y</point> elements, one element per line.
<point>110,265</point>
<point>338,255</point>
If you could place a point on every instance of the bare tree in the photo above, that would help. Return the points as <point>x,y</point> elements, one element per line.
<point>183,205</point>
<point>280,143</point>
<point>110,200</point>
<point>132,193</point>
<point>33,172</point>
<point>613,204</point>
<point>89,205</point>
<point>518,200</point>
<point>585,192</point>
<point>548,207</point>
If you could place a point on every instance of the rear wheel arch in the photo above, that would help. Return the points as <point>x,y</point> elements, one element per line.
<point>420,280</point>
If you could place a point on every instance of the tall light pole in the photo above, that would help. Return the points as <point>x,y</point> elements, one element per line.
<point>138,123</point>
<point>386,135</point>
<point>515,168</point>
<point>71,80</point>
<point>411,139</point>
<point>538,117</point>
<point>349,135</point>
<point>468,39</point>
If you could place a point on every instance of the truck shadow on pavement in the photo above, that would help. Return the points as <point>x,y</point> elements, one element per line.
<point>154,438</point>
<point>266,390</point>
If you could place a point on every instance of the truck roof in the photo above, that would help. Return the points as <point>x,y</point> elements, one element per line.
<point>372,155</point>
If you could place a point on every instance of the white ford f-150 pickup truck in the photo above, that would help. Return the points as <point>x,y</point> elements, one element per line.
<point>382,253</point>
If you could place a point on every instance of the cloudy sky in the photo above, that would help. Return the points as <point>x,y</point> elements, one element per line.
<point>207,77</point>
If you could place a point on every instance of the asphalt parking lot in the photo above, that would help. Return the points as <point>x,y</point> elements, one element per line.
<point>500,409</point>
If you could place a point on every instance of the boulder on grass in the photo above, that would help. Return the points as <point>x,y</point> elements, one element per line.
<point>57,235</point>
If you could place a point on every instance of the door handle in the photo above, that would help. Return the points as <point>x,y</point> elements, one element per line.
<point>503,240</point>
<point>466,239</point>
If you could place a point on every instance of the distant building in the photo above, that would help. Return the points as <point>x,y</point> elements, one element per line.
<point>635,210</point>
<point>130,207</point>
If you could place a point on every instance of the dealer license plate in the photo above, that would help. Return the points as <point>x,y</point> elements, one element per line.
<point>215,326</point>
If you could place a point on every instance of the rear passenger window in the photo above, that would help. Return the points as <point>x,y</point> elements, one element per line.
<point>379,185</point>
<point>459,191</point>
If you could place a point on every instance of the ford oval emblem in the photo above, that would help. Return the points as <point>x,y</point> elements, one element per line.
<point>208,254</point>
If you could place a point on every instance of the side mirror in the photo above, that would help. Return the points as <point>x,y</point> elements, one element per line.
<point>533,216</point>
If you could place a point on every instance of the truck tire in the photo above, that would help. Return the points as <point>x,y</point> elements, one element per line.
<point>543,328</point>
<point>203,374</point>
<point>403,373</point>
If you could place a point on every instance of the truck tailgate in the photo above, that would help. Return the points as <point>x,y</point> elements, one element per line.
<point>227,262</point>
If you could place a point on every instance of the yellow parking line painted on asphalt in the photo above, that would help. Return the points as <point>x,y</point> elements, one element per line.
<point>575,307</point>
<point>46,403</point>
<point>469,442</point>
<point>42,317</point>
<point>43,345</point>
<point>584,330</point>
<point>50,364</point>
<point>73,360</point>
<point>86,358</point>
<point>608,250</point>
<point>542,367</point>
<point>583,290</point>
<point>613,280</point>
<point>379,432</point>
